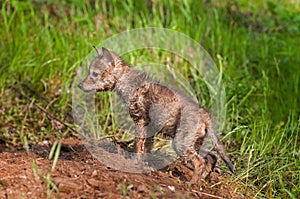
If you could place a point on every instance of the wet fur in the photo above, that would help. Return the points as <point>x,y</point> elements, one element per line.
<point>156,108</point>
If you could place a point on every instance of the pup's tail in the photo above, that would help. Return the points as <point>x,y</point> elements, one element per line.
<point>218,145</point>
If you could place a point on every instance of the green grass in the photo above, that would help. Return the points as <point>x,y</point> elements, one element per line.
<point>257,43</point>
<point>54,154</point>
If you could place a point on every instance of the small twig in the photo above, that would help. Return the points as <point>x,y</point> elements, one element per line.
<point>35,92</point>
<point>51,102</point>
<point>200,193</point>
<point>42,97</point>
<point>51,116</point>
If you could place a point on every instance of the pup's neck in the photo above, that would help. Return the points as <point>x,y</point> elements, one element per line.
<point>128,83</point>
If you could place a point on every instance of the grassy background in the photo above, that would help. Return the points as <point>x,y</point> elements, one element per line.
<point>257,43</point>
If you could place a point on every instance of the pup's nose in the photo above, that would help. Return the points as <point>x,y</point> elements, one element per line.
<point>80,85</point>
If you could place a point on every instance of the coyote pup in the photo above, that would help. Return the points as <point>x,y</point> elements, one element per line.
<point>156,108</point>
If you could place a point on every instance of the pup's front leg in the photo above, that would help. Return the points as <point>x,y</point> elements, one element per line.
<point>143,142</point>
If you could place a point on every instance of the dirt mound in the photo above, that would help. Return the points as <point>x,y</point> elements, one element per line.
<point>77,174</point>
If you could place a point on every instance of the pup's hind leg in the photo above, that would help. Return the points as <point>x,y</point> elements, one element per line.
<point>203,160</point>
<point>210,158</point>
<point>211,161</point>
<point>200,171</point>
<point>202,165</point>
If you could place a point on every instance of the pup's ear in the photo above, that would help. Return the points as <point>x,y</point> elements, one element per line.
<point>98,51</point>
<point>107,56</point>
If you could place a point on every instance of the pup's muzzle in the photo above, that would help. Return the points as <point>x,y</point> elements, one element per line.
<point>80,85</point>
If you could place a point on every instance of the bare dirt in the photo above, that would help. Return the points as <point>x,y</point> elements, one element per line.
<point>77,174</point>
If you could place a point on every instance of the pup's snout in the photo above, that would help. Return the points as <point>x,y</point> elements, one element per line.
<point>80,85</point>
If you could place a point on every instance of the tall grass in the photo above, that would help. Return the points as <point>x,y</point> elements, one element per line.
<point>257,43</point>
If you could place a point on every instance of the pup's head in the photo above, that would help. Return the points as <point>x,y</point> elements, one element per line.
<point>103,74</point>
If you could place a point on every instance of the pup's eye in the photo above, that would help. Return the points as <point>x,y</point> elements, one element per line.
<point>95,74</point>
